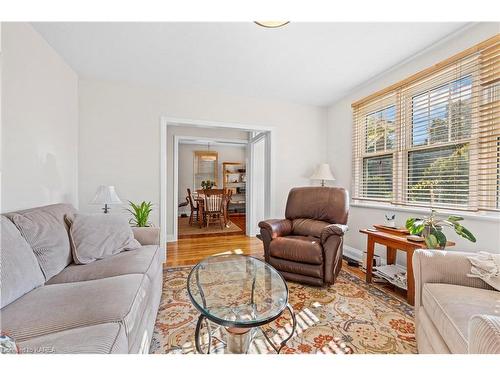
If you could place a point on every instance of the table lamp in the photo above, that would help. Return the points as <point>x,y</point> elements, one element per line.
<point>323,173</point>
<point>106,195</point>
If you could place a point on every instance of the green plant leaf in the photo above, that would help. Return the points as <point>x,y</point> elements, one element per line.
<point>464,232</point>
<point>440,236</point>
<point>415,225</point>
<point>455,218</point>
<point>431,242</point>
<point>140,213</point>
<point>409,222</point>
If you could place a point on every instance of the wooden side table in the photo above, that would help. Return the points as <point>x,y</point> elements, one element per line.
<point>394,242</point>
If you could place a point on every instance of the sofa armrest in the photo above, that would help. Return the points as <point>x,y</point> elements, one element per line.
<point>446,267</point>
<point>484,334</point>
<point>147,235</point>
<point>332,229</point>
<point>277,227</point>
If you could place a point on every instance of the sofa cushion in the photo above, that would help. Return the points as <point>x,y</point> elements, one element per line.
<point>145,260</point>
<point>19,269</point>
<point>450,308</point>
<point>298,249</point>
<point>98,236</point>
<point>59,307</point>
<point>45,230</point>
<point>308,227</point>
<point>107,338</point>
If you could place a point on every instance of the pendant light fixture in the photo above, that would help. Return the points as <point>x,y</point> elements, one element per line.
<point>209,156</point>
<point>272,24</point>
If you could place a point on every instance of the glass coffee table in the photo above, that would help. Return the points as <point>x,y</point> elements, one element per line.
<point>237,294</point>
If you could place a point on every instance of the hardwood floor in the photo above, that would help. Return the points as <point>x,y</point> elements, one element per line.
<point>190,251</point>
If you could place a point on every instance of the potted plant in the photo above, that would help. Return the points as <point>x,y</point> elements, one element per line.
<point>431,229</point>
<point>205,185</point>
<point>143,229</point>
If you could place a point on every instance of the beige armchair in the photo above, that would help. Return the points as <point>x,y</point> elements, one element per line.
<point>454,313</point>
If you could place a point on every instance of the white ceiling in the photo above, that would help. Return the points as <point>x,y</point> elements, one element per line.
<point>310,63</point>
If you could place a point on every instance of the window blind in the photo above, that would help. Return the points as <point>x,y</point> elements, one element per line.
<point>433,139</point>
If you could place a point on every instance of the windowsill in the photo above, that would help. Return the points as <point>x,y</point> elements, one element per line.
<point>480,215</point>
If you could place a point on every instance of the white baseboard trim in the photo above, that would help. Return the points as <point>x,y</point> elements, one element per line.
<point>353,253</point>
<point>170,238</point>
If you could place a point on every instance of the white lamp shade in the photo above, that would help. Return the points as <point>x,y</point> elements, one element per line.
<point>323,172</point>
<point>106,195</point>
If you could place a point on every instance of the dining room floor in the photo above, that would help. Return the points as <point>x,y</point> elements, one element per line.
<point>236,227</point>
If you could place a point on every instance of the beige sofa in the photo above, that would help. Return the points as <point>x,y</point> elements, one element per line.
<point>453,312</point>
<point>51,305</point>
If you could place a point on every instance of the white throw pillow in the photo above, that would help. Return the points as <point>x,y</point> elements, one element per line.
<point>98,236</point>
<point>486,267</point>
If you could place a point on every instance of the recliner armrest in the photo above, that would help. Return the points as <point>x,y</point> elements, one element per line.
<point>277,227</point>
<point>333,229</point>
<point>484,334</point>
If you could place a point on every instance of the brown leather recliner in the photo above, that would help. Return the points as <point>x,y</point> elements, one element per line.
<point>306,247</point>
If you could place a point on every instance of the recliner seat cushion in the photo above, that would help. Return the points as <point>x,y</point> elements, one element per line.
<point>145,260</point>
<point>19,269</point>
<point>298,249</point>
<point>45,230</point>
<point>450,308</point>
<point>59,307</point>
<point>288,266</point>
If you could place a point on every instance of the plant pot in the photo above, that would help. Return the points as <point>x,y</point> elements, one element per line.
<point>147,235</point>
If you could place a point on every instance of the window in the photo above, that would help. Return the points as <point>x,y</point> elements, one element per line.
<point>434,138</point>
<point>380,130</point>
<point>377,177</point>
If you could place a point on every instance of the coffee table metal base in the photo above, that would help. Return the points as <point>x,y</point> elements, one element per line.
<point>238,340</point>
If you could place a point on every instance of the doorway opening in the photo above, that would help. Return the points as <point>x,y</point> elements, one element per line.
<point>250,179</point>
<point>218,166</point>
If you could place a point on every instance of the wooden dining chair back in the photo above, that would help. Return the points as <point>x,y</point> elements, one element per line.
<point>214,206</point>
<point>195,209</point>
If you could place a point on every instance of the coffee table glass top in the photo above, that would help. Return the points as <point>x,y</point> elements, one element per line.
<point>237,290</point>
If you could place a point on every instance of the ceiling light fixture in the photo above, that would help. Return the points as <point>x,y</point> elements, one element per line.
<point>272,24</point>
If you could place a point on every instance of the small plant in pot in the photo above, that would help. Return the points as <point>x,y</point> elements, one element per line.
<point>143,229</point>
<point>205,185</point>
<point>140,213</point>
<point>431,229</point>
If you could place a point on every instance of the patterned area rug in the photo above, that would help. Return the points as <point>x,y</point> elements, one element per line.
<point>348,317</point>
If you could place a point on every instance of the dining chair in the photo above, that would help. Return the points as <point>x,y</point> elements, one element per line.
<point>214,206</point>
<point>227,200</point>
<point>195,209</point>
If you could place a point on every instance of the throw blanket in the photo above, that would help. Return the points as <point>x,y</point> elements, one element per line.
<point>486,266</point>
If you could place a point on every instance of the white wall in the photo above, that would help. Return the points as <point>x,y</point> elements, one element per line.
<point>120,128</point>
<point>339,143</point>
<point>226,153</point>
<point>39,122</point>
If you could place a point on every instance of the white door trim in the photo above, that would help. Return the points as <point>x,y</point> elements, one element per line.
<point>165,122</point>
<point>250,218</point>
